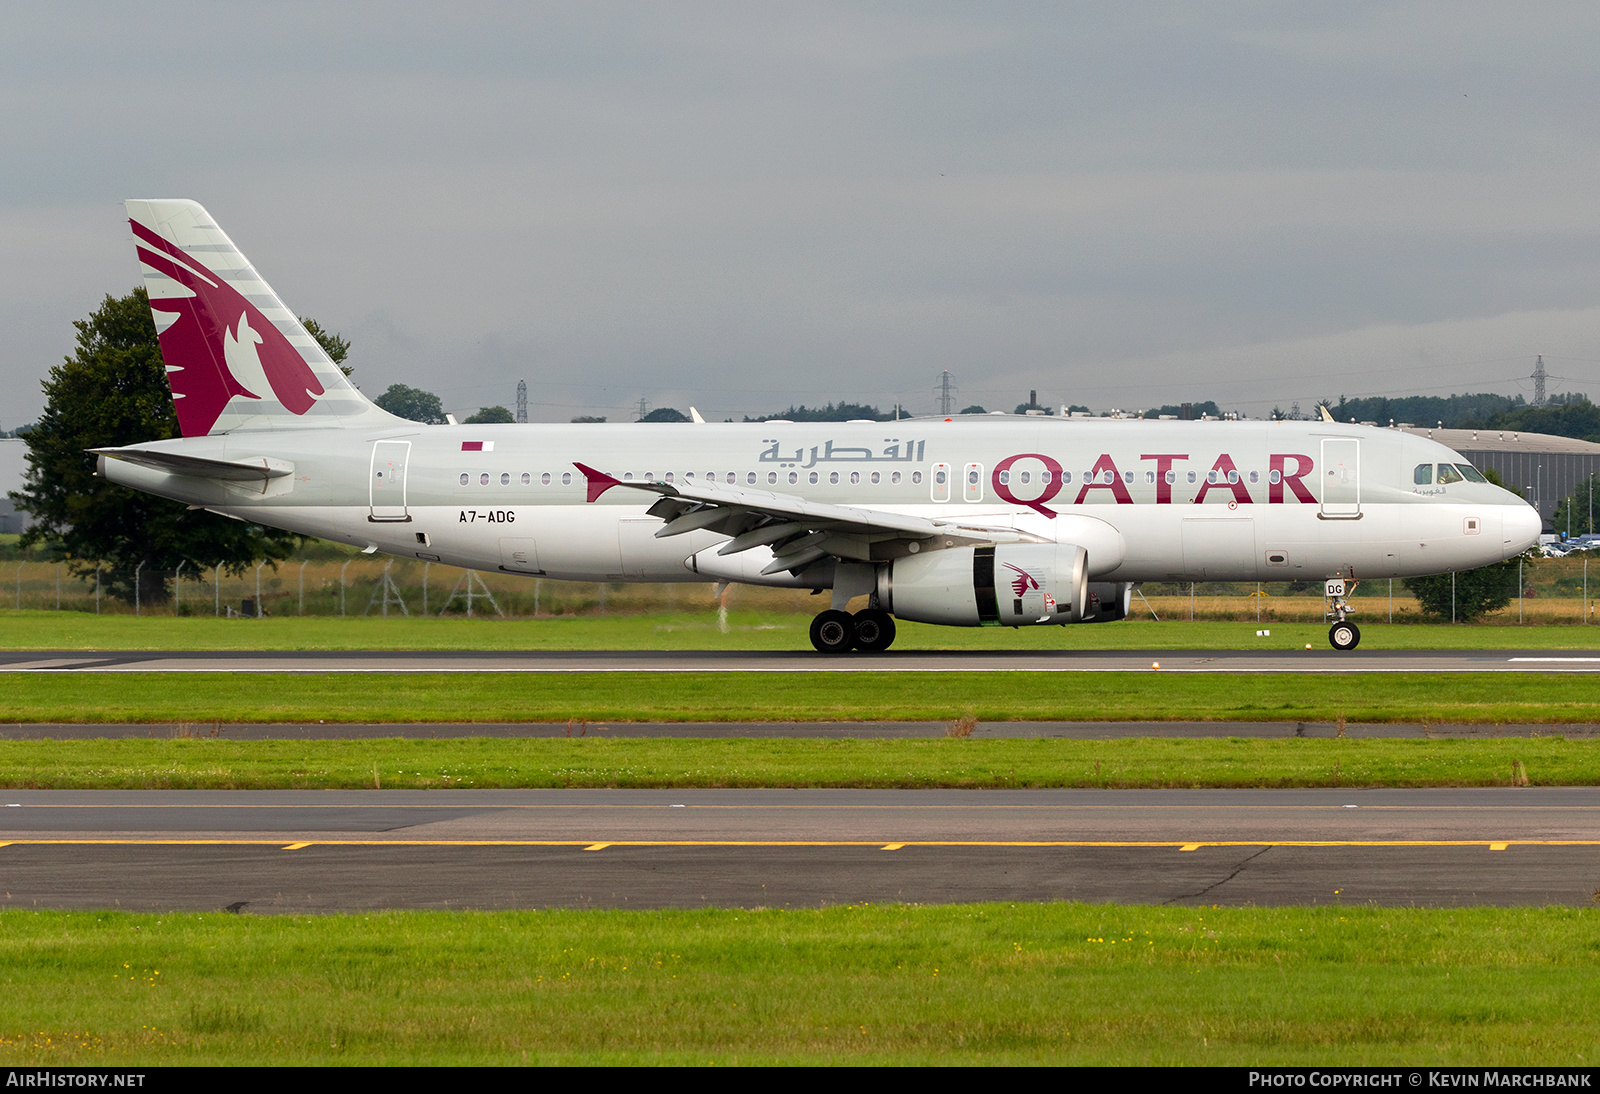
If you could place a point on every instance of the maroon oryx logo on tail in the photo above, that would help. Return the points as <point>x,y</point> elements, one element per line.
<point>220,345</point>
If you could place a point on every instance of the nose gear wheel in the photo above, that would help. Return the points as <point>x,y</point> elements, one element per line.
<point>1344,636</point>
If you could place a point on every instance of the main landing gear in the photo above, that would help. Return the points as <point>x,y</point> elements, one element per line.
<point>870,630</point>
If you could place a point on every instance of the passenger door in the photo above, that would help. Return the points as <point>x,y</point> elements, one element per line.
<point>387,481</point>
<point>1341,478</point>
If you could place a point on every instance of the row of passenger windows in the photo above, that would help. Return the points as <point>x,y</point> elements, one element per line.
<point>939,477</point>
<point>1448,473</point>
<point>1108,477</point>
<point>732,477</point>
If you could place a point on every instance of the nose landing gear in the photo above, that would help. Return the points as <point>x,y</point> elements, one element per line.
<point>1342,635</point>
<point>870,630</point>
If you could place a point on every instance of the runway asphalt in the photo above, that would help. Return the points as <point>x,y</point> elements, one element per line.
<point>267,851</point>
<point>320,851</point>
<point>544,661</point>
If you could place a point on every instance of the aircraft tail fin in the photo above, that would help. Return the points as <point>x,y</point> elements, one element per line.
<point>236,357</point>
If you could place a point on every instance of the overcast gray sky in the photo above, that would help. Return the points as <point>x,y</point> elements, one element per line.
<point>744,205</point>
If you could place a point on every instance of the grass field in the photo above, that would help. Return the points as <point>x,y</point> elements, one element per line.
<point>1151,763</point>
<point>974,984</point>
<point>989,984</point>
<point>206,698</point>
<point>702,629</point>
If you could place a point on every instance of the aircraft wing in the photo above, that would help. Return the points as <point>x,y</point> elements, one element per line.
<point>799,531</point>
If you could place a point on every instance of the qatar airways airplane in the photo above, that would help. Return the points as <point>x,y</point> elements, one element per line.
<point>970,521</point>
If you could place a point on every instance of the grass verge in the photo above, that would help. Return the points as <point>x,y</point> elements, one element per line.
<point>46,630</point>
<point>204,698</point>
<point>1154,763</point>
<point>976,984</point>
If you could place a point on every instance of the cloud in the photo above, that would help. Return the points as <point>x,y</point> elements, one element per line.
<point>744,205</point>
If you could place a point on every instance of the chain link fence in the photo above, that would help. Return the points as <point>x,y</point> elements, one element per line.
<point>331,583</point>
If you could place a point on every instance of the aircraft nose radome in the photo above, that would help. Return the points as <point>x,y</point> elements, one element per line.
<point>1522,528</point>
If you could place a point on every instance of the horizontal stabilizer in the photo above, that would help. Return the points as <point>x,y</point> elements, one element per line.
<point>253,469</point>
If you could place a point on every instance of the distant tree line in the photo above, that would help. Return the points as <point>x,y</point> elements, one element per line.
<point>1575,416</point>
<point>1208,408</point>
<point>1565,414</point>
<point>833,412</point>
<point>1455,411</point>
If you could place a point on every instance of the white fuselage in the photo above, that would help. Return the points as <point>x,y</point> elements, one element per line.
<point>1151,501</point>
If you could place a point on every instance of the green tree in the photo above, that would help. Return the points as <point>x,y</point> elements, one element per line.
<point>1469,594</point>
<point>665,414</point>
<point>113,391</point>
<point>490,415</point>
<point>412,404</point>
<point>1494,477</point>
<point>335,347</point>
<point>974,409</point>
<point>1578,508</point>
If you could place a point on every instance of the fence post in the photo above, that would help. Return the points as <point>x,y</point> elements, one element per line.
<point>177,587</point>
<point>1519,590</point>
<point>137,608</point>
<point>260,564</point>
<point>1391,600</point>
<point>1586,589</point>
<point>1191,602</point>
<point>303,587</point>
<point>19,585</point>
<point>425,566</point>
<point>58,586</point>
<point>97,566</point>
<point>216,581</point>
<point>342,569</point>
<point>1452,596</point>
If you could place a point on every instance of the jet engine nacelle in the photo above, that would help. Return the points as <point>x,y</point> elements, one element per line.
<point>1109,601</point>
<point>1011,585</point>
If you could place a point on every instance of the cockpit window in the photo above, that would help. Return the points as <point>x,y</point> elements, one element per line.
<point>1423,475</point>
<point>1470,472</point>
<point>1448,474</point>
